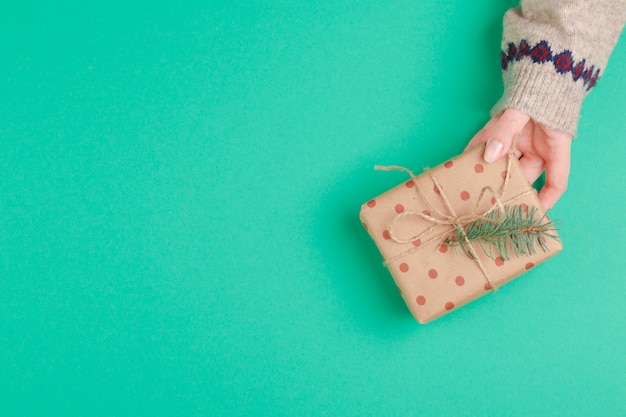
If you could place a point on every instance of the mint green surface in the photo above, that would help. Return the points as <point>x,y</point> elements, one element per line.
<point>179,217</point>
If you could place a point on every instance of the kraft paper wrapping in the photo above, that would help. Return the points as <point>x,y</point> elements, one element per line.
<point>434,279</point>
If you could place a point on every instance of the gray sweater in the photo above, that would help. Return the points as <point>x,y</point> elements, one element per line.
<point>553,53</point>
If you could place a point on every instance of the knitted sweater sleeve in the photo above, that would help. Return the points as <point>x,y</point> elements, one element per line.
<point>553,53</point>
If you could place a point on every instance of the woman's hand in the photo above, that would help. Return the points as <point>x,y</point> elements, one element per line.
<point>538,148</point>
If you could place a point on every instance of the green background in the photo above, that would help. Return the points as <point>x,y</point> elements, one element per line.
<point>180,189</point>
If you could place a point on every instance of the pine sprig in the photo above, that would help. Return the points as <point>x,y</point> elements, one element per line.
<point>519,229</point>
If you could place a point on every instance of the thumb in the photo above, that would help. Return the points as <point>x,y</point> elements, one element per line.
<point>503,134</point>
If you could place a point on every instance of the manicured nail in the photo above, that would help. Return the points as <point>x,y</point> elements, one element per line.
<point>492,151</point>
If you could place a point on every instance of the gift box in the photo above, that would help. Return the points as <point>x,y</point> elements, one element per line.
<point>443,234</point>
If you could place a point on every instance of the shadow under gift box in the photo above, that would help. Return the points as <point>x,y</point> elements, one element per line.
<point>434,278</point>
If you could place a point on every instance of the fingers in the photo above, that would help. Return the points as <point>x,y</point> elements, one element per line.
<point>556,184</point>
<point>552,153</point>
<point>532,166</point>
<point>483,134</point>
<point>504,133</point>
<point>531,163</point>
<point>557,174</point>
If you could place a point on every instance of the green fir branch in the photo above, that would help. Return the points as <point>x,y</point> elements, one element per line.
<point>518,230</point>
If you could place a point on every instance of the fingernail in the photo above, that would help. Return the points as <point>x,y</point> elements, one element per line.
<point>492,151</point>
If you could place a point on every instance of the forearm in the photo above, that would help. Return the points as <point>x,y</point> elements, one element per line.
<point>553,54</point>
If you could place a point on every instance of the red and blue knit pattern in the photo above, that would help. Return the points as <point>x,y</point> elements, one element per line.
<point>563,61</point>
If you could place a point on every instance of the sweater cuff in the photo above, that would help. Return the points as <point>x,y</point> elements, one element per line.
<point>548,97</point>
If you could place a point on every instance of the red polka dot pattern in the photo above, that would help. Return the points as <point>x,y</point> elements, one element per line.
<point>418,270</point>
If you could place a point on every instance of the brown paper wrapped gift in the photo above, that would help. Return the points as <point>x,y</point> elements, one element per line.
<point>410,223</point>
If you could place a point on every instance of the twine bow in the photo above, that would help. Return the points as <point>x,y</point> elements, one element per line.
<point>451,219</point>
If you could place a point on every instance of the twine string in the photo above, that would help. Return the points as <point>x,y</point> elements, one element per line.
<point>451,219</point>
<point>460,227</point>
